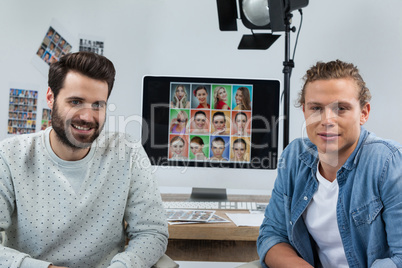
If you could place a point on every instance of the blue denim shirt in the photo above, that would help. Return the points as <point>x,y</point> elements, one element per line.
<point>369,208</point>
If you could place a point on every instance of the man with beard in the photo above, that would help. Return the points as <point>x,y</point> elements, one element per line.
<point>70,195</point>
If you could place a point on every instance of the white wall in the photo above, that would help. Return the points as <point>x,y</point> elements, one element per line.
<point>181,37</point>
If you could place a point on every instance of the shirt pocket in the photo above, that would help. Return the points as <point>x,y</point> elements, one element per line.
<point>368,213</point>
<point>370,229</point>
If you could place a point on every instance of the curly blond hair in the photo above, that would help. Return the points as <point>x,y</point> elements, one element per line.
<point>335,70</point>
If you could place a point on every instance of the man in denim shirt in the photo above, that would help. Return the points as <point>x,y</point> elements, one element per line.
<point>337,200</point>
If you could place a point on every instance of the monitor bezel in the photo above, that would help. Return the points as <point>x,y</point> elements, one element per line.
<point>274,85</point>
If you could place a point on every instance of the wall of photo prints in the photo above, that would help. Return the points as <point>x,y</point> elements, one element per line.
<point>53,46</point>
<point>46,119</point>
<point>23,103</point>
<point>22,111</point>
<point>89,45</point>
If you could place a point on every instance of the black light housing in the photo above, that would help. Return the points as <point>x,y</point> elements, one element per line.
<point>274,15</point>
<point>279,11</point>
<point>257,15</point>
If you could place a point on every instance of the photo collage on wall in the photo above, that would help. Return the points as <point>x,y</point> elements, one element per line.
<point>56,43</point>
<point>22,111</point>
<point>210,122</point>
<point>46,119</point>
<point>53,46</point>
<point>91,46</point>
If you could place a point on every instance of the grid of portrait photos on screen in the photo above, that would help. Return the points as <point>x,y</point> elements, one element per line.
<point>53,47</point>
<point>22,111</point>
<point>210,122</point>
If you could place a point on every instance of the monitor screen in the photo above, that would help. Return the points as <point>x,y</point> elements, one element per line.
<point>207,122</point>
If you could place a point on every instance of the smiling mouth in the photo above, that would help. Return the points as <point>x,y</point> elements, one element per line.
<point>81,128</point>
<point>84,126</point>
<point>329,136</point>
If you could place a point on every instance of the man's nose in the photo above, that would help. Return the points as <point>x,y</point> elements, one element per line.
<point>87,114</point>
<point>328,117</point>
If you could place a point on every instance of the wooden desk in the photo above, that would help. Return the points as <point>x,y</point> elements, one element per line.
<point>213,242</point>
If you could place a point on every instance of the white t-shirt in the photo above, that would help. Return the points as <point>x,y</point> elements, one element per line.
<point>322,224</point>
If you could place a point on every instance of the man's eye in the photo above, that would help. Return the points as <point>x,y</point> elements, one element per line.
<point>98,105</point>
<point>75,102</point>
<point>315,108</point>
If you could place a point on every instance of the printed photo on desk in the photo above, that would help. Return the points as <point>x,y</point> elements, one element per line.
<point>189,215</point>
<point>214,219</point>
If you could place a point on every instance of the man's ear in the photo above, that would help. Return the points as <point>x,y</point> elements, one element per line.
<point>50,98</point>
<point>365,113</point>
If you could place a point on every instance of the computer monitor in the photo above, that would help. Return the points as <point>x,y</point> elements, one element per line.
<point>210,133</point>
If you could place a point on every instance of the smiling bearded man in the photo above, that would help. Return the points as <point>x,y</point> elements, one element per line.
<point>70,197</point>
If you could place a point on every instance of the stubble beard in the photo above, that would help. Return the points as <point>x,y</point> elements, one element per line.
<point>60,125</point>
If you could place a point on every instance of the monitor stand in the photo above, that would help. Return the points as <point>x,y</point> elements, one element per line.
<point>208,194</point>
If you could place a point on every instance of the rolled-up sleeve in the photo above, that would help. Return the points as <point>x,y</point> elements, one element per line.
<point>273,229</point>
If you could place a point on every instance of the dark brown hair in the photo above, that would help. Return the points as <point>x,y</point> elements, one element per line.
<point>86,63</point>
<point>245,102</point>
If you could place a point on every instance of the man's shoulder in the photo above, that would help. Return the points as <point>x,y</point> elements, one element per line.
<point>20,140</point>
<point>379,145</point>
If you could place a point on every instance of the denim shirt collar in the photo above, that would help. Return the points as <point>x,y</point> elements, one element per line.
<point>310,156</point>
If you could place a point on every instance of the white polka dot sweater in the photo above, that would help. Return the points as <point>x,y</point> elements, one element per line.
<point>72,213</point>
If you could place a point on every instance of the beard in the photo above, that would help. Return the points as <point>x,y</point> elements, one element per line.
<point>63,133</point>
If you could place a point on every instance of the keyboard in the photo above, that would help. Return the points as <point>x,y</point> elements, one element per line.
<point>214,205</point>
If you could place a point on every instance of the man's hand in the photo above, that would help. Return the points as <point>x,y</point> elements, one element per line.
<point>283,255</point>
<point>52,266</point>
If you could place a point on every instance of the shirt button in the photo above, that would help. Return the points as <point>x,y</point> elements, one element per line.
<point>305,198</point>
<point>291,223</point>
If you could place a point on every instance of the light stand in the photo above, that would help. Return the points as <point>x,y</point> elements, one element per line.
<point>288,65</point>
<point>254,15</point>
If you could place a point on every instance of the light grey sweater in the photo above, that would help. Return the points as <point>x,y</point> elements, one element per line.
<point>71,213</point>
